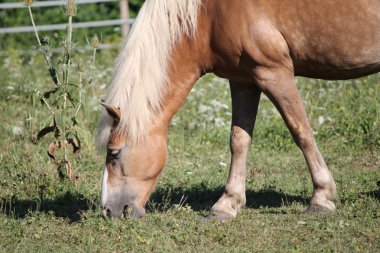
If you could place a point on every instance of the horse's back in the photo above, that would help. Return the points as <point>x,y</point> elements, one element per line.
<point>336,39</point>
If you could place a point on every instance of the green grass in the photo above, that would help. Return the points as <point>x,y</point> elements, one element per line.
<point>39,212</point>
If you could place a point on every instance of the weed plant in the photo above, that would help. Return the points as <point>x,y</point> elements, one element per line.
<point>63,100</point>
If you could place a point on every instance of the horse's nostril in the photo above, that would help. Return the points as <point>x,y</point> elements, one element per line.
<point>126,211</point>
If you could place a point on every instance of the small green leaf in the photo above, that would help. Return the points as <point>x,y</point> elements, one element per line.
<point>54,76</point>
<point>71,99</point>
<point>72,84</point>
<point>48,93</point>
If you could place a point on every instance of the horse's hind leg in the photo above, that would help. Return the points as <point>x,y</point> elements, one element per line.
<point>245,101</point>
<point>279,85</point>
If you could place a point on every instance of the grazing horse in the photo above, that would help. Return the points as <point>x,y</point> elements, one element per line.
<point>260,46</point>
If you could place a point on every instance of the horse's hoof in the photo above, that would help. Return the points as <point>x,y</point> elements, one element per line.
<point>318,209</point>
<point>220,216</point>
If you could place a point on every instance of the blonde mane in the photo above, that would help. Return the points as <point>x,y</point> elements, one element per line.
<point>141,68</point>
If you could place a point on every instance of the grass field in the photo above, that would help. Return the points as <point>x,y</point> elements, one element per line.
<point>41,213</point>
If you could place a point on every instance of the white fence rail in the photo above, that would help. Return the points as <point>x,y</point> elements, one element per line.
<point>56,27</point>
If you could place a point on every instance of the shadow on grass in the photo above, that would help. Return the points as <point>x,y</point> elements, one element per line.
<point>68,206</point>
<point>201,198</point>
<point>71,206</point>
<point>374,194</point>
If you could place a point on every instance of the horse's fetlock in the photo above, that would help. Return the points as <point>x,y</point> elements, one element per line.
<point>324,181</point>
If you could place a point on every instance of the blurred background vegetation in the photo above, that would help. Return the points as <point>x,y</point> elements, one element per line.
<point>53,15</point>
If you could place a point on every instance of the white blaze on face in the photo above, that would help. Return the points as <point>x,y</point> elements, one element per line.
<point>104,187</point>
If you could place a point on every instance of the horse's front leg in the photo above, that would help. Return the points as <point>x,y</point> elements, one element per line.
<point>245,101</point>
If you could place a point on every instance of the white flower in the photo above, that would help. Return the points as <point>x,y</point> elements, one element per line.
<point>174,121</point>
<point>219,122</point>
<point>321,120</point>
<point>16,130</point>
<point>223,164</point>
<point>217,105</point>
<point>204,108</point>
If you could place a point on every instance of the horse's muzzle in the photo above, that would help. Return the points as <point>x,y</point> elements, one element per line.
<point>119,201</point>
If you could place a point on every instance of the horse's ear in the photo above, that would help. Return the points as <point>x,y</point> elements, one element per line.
<point>114,112</point>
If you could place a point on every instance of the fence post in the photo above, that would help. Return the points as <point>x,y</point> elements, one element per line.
<point>124,14</point>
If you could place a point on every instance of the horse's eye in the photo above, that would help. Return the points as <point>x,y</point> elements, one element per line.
<point>114,153</point>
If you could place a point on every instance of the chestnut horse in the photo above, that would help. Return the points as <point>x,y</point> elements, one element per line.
<point>260,46</point>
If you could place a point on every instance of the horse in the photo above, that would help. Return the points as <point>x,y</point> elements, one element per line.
<point>259,46</point>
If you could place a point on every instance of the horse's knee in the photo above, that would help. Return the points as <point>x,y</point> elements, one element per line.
<point>304,137</point>
<point>240,140</point>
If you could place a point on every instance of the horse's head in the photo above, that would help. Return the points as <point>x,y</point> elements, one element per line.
<point>131,170</point>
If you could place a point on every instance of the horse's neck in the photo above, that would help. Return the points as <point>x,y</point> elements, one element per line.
<point>189,59</point>
<point>183,72</point>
